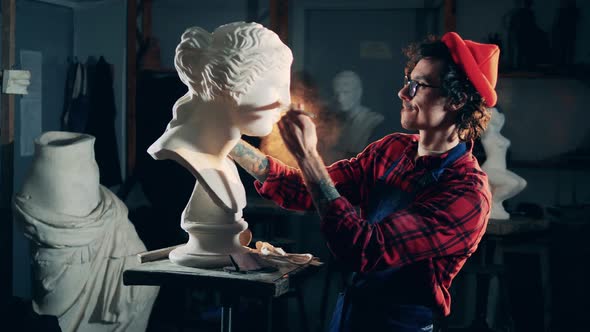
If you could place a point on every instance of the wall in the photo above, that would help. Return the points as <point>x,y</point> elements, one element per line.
<point>476,19</point>
<point>47,29</point>
<point>171,18</point>
<point>100,30</point>
<point>325,41</point>
<point>546,107</point>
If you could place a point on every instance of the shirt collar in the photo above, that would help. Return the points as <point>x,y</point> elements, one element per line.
<point>432,162</point>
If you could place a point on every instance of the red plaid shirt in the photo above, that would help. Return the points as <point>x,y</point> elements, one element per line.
<point>444,224</point>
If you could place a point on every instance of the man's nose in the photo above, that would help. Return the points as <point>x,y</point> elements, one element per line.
<point>403,93</point>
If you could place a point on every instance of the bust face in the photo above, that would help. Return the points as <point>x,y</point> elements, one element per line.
<point>497,120</point>
<point>347,93</point>
<point>259,107</point>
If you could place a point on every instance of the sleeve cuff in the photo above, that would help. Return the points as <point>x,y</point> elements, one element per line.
<point>275,170</point>
<point>336,215</point>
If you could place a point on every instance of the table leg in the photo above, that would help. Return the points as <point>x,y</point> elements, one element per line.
<point>268,304</point>
<point>228,303</point>
<point>480,323</point>
<point>226,321</point>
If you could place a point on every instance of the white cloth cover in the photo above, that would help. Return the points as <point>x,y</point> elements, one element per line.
<point>78,265</point>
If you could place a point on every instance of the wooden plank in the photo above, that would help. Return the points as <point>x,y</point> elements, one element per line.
<point>450,19</point>
<point>166,273</point>
<point>131,85</point>
<point>7,151</point>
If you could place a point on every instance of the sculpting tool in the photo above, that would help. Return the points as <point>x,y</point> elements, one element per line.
<point>296,107</point>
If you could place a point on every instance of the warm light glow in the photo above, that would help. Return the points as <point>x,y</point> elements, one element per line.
<point>327,125</point>
<point>273,144</point>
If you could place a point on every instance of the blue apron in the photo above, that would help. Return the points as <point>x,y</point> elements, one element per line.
<point>393,299</point>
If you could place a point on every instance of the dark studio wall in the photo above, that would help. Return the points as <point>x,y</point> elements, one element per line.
<point>99,30</point>
<point>545,106</point>
<point>322,45</point>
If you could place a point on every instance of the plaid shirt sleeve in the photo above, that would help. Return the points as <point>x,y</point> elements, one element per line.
<point>284,185</point>
<point>448,219</point>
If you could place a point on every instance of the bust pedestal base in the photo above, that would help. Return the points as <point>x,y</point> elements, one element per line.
<point>185,256</point>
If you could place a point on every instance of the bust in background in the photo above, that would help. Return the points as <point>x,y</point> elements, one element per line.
<point>503,183</point>
<point>358,121</point>
<point>237,79</point>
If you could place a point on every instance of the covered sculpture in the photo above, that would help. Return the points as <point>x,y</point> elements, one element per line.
<point>504,183</point>
<point>359,122</point>
<point>81,239</point>
<point>238,78</point>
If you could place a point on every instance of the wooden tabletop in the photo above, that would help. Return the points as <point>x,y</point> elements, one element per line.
<point>166,273</point>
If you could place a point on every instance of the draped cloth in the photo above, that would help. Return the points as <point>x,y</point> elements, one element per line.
<point>78,265</point>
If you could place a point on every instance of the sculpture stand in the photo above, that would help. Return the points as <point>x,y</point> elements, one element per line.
<point>203,247</point>
<point>498,211</point>
<point>213,215</point>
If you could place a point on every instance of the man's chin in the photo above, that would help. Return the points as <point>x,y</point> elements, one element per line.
<point>408,125</point>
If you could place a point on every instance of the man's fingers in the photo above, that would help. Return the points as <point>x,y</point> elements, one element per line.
<point>300,120</point>
<point>286,130</point>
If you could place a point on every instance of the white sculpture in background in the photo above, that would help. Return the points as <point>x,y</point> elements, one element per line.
<point>81,239</point>
<point>504,183</point>
<point>237,77</point>
<point>359,121</point>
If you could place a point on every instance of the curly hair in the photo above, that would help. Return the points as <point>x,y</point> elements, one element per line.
<point>474,116</point>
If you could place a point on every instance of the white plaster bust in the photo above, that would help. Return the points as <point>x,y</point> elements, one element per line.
<point>81,240</point>
<point>504,183</point>
<point>237,79</point>
<point>360,121</point>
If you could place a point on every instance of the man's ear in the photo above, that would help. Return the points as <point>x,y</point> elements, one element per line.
<point>455,105</point>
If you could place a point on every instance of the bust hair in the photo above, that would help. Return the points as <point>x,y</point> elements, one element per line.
<point>473,116</point>
<point>225,63</point>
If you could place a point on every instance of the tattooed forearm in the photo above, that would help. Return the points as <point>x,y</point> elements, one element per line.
<point>318,182</point>
<point>322,193</point>
<point>251,160</point>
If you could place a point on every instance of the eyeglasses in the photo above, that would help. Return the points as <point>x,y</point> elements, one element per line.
<point>413,86</point>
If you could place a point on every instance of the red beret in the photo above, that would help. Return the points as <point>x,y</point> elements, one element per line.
<point>478,61</point>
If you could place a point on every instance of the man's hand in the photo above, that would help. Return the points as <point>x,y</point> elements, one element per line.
<point>299,134</point>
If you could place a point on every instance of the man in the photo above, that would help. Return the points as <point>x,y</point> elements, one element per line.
<point>424,202</point>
